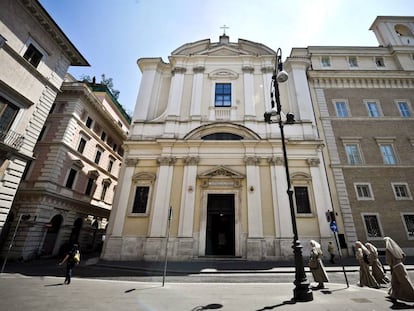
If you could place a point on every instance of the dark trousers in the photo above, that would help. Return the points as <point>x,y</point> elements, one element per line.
<point>69,270</point>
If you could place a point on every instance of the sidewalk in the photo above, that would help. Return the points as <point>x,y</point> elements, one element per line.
<point>37,286</point>
<point>19,293</point>
<point>201,265</point>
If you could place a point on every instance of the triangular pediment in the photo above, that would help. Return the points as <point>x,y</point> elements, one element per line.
<point>221,172</point>
<point>223,48</point>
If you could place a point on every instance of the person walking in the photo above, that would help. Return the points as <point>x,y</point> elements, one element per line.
<point>316,265</point>
<point>331,251</point>
<point>365,276</point>
<point>71,258</point>
<point>377,269</point>
<point>401,286</point>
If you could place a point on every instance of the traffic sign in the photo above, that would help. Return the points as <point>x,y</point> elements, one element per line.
<point>334,226</point>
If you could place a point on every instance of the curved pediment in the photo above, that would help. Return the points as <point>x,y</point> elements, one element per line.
<point>236,129</point>
<point>223,48</point>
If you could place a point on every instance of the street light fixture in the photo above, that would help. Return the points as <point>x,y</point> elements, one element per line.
<point>302,292</point>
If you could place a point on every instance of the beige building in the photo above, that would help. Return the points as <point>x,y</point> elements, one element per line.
<point>34,56</point>
<point>363,99</point>
<point>199,144</point>
<point>68,189</point>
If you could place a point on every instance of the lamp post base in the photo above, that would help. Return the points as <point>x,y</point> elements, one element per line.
<point>302,292</point>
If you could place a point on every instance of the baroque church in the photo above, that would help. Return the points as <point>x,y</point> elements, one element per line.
<point>202,166</point>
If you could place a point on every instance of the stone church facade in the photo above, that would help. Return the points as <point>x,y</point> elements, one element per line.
<point>200,152</point>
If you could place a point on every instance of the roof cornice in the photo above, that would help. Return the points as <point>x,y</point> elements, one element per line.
<point>50,26</point>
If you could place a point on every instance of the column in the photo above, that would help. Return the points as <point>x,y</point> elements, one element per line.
<point>145,95</point>
<point>299,88</point>
<point>197,92</point>
<point>176,91</point>
<point>267,80</point>
<point>322,196</point>
<point>159,219</point>
<point>185,228</point>
<point>254,206</point>
<point>249,100</point>
<point>283,223</point>
<point>120,206</point>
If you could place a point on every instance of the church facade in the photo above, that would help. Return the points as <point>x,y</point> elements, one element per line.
<point>202,167</point>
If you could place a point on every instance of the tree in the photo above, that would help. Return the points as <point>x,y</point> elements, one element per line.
<point>110,85</point>
<point>108,82</point>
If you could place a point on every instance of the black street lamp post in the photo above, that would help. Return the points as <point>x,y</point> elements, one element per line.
<point>302,292</point>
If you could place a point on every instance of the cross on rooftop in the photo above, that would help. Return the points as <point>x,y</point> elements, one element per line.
<point>224,27</point>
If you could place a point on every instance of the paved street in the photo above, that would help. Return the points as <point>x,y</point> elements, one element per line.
<point>227,285</point>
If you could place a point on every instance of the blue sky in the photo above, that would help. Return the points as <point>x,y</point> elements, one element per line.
<point>113,34</point>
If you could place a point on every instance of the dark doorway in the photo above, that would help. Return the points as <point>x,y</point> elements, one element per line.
<point>52,233</point>
<point>220,225</point>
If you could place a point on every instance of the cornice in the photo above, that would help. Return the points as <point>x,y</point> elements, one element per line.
<point>48,24</point>
<point>361,79</point>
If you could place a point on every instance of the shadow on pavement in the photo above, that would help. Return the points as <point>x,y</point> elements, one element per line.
<point>287,302</point>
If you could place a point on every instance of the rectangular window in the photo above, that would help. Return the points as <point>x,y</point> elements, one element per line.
<point>372,226</point>
<point>379,61</point>
<point>409,225</point>
<point>98,156</point>
<point>88,122</point>
<point>353,154</point>
<point>404,109</point>
<point>401,191</point>
<point>104,190</point>
<point>33,55</point>
<point>326,61</point>
<point>140,200</point>
<point>71,178</point>
<point>103,135</point>
<point>82,144</point>
<point>110,164</point>
<point>89,186</point>
<point>8,113</point>
<point>302,200</point>
<point>363,192</point>
<point>341,109</point>
<point>373,109</point>
<point>352,61</point>
<point>388,154</point>
<point>223,95</point>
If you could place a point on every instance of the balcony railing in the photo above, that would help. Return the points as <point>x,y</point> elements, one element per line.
<point>222,113</point>
<point>11,138</point>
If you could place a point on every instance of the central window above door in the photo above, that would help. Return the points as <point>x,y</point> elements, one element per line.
<point>222,95</point>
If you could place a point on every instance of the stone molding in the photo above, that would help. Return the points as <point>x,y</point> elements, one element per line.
<point>166,160</point>
<point>177,70</point>
<point>131,162</point>
<point>248,69</point>
<point>313,161</point>
<point>191,160</point>
<point>252,160</point>
<point>198,69</point>
<point>276,160</point>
